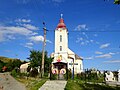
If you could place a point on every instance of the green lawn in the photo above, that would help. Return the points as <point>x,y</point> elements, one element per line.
<point>79,85</point>
<point>32,83</point>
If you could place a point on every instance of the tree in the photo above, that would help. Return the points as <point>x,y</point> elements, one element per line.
<point>36,59</point>
<point>16,63</point>
<point>13,64</point>
<point>1,65</point>
<point>115,1</point>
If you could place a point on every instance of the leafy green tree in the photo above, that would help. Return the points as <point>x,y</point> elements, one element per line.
<point>13,64</point>
<point>36,59</point>
<point>1,65</point>
<point>16,63</point>
<point>9,66</point>
<point>116,1</point>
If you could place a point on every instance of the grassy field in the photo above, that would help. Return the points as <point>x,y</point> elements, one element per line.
<point>32,83</point>
<point>79,85</point>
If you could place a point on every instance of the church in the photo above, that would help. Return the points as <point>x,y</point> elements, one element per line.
<point>64,58</point>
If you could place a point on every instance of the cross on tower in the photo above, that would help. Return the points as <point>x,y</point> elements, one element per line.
<point>61,15</point>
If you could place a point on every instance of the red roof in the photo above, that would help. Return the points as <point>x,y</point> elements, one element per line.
<point>61,24</point>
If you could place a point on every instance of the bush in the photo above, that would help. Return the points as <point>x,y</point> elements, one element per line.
<point>54,76</point>
<point>69,74</point>
<point>81,76</point>
<point>14,73</point>
<point>34,72</point>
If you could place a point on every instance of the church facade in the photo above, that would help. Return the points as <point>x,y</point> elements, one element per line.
<point>64,58</point>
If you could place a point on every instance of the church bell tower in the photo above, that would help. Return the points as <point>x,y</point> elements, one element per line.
<point>61,41</point>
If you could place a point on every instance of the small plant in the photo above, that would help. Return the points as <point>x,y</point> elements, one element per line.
<point>14,73</point>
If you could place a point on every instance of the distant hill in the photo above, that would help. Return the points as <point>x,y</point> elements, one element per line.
<point>6,59</point>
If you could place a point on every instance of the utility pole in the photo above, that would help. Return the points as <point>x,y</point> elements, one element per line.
<point>43,51</point>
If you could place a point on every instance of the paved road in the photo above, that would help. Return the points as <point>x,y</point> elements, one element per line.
<point>54,85</point>
<point>7,82</point>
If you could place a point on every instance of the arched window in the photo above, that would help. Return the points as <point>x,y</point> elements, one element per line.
<point>60,48</point>
<point>60,38</point>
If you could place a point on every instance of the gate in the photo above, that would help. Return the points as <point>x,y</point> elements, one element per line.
<point>59,71</point>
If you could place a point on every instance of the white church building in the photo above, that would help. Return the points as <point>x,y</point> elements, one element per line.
<point>64,58</point>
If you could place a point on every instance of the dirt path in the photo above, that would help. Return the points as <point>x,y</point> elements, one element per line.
<point>7,82</point>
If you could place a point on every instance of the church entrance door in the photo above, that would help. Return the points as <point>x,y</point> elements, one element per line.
<point>62,70</point>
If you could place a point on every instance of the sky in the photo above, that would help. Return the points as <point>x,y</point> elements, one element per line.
<point>93,26</point>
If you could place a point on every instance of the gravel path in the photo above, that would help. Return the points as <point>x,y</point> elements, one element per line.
<point>54,85</point>
<point>7,82</point>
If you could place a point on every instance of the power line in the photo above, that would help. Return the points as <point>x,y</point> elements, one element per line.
<point>88,31</point>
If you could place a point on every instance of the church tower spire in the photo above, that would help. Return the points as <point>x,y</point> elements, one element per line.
<point>61,23</point>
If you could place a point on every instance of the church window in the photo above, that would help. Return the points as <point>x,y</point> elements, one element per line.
<point>60,38</point>
<point>60,48</point>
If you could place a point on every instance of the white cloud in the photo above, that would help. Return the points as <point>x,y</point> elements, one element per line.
<point>91,41</point>
<point>81,27</point>
<point>1,37</point>
<point>23,20</point>
<point>15,30</point>
<point>30,27</point>
<point>37,38</point>
<point>10,32</point>
<point>112,61</point>
<point>104,45</point>
<point>29,45</point>
<point>85,34</point>
<point>88,58</point>
<point>111,53</point>
<point>48,41</point>
<point>10,37</point>
<point>107,55</point>
<point>104,56</point>
<point>82,43</point>
<point>97,52</point>
<point>79,39</point>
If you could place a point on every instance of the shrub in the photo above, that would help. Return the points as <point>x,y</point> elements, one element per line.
<point>69,74</point>
<point>34,72</point>
<point>14,73</point>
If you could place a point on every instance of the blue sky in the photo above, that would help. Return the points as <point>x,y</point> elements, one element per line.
<point>21,29</point>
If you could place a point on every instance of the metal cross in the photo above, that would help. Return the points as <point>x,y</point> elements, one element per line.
<point>61,15</point>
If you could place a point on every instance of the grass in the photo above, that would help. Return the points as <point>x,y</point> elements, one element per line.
<point>32,83</point>
<point>80,85</point>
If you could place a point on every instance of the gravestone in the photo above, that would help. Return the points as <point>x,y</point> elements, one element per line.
<point>109,76</point>
<point>119,76</point>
